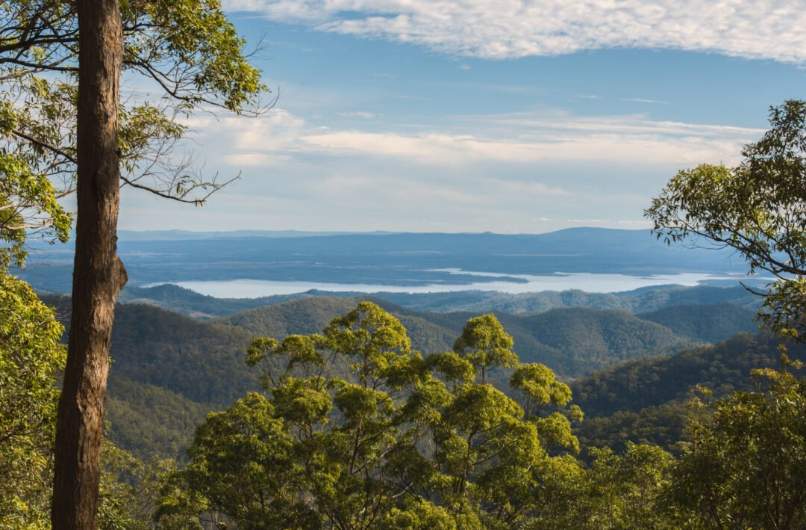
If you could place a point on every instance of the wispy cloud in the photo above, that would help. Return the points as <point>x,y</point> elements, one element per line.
<point>648,101</point>
<point>499,29</point>
<point>358,114</point>
<point>505,172</point>
<point>506,139</point>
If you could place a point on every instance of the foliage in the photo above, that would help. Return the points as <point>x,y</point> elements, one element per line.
<point>30,357</point>
<point>27,204</point>
<point>708,323</point>
<point>129,489</point>
<point>618,491</point>
<point>757,208</point>
<point>187,50</point>
<point>400,440</point>
<point>745,466</point>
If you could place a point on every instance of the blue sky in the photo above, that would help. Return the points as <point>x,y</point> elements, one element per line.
<point>482,115</point>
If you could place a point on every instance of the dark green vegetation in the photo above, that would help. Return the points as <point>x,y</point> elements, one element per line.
<point>645,400</point>
<point>711,323</point>
<point>406,440</point>
<point>170,369</point>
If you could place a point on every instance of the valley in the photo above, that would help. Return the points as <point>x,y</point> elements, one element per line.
<point>177,354</point>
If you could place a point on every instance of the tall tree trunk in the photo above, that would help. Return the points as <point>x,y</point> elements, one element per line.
<point>98,274</point>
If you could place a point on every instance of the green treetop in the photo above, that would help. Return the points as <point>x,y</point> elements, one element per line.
<point>358,431</point>
<point>757,208</point>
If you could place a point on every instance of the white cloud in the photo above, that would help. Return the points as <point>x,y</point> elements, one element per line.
<point>504,172</point>
<point>506,139</point>
<point>499,29</point>
<point>524,139</point>
<point>648,101</point>
<point>359,114</point>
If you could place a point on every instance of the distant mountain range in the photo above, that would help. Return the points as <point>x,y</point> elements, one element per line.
<point>406,259</point>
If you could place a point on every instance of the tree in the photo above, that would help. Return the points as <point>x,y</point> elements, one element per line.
<point>486,344</point>
<point>27,205</point>
<point>30,357</point>
<point>757,208</point>
<point>356,430</point>
<point>745,464</point>
<point>31,353</point>
<point>98,274</point>
<point>192,54</point>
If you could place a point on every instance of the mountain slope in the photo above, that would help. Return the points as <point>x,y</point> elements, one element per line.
<point>708,323</point>
<point>650,382</point>
<point>644,400</point>
<point>312,314</point>
<point>169,369</point>
<point>590,339</point>
<point>151,420</point>
<point>641,300</point>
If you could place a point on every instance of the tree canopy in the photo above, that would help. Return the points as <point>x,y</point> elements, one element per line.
<point>397,440</point>
<point>757,208</point>
<point>187,51</point>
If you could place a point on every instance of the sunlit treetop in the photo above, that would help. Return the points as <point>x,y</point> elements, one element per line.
<point>757,208</point>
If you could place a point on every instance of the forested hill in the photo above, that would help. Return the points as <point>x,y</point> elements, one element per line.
<point>644,400</point>
<point>709,323</point>
<point>573,342</point>
<point>170,369</point>
<point>644,300</point>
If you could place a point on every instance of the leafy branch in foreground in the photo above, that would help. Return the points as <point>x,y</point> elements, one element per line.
<point>757,208</point>
<point>188,53</point>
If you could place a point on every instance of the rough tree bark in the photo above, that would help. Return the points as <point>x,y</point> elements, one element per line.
<point>98,274</point>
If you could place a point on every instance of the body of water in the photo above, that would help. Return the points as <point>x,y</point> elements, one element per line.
<point>514,284</point>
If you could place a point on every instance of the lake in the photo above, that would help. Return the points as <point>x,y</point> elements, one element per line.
<point>514,284</point>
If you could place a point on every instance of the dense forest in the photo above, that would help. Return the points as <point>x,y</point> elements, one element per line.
<point>156,408</point>
<point>172,364</point>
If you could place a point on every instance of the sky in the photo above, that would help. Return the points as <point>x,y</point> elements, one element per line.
<point>484,115</point>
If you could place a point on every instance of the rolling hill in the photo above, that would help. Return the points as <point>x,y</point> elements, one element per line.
<point>643,300</point>
<point>644,400</point>
<point>708,323</point>
<point>169,369</point>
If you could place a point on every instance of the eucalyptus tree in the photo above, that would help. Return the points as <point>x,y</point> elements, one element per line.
<point>356,430</point>
<point>745,463</point>
<point>757,208</point>
<point>62,117</point>
<point>31,355</point>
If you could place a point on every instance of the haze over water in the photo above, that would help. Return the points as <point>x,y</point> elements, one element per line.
<point>526,283</point>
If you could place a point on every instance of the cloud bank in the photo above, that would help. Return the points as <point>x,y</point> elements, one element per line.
<point>506,29</point>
